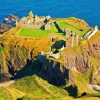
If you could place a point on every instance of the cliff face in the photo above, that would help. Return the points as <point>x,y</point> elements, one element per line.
<point>55,72</point>
<point>80,65</point>
<point>85,58</point>
<point>13,59</point>
<point>15,51</point>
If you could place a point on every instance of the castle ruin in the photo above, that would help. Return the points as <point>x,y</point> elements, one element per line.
<point>34,21</point>
<point>72,40</point>
<point>45,22</point>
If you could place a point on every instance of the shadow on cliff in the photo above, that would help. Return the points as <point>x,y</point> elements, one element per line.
<point>58,44</point>
<point>72,90</point>
<point>49,70</point>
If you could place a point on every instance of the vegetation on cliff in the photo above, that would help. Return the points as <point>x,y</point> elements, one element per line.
<point>28,56</point>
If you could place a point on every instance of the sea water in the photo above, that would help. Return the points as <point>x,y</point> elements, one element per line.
<point>89,10</point>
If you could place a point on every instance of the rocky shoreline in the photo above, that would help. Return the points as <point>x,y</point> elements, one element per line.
<point>8,23</point>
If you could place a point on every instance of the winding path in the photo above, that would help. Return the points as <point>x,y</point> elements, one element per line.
<point>6,84</point>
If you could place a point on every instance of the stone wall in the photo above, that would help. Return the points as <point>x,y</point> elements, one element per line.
<point>72,40</point>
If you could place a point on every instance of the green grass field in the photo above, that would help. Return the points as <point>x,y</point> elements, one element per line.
<point>29,32</point>
<point>53,28</point>
<point>34,32</point>
<point>63,25</point>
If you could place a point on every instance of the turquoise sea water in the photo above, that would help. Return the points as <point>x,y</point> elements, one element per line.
<point>88,10</point>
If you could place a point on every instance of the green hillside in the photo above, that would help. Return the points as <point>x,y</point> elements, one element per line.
<point>4,94</point>
<point>37,87</point>
<point>65,25</point>
<point>43,66</point>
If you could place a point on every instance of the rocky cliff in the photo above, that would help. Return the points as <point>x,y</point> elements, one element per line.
<point>16,51</point>
<point>75,70</point>
<point>85,58</point>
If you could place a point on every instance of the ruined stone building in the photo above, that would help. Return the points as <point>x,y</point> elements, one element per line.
<point>46,27</point>
<point>53,37</point>
<point>34,21</point>
<point>91,32</point>
<point>72,40</point>
<point>4,28</point>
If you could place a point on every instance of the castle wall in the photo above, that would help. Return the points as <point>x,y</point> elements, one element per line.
<point>34,21</point>
<point>93,33</point>
<point>72,41</point>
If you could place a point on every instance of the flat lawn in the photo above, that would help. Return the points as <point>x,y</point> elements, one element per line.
<point>34,32</point>
<point>29,32</point>
<point>53,28</point>
<point>38,32</point>
<point>75,30</point>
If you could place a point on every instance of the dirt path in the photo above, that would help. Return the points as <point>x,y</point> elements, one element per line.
<point>96,87</point>
<point>91,87</point>
<point>15,94</point>
<point>6,84</point>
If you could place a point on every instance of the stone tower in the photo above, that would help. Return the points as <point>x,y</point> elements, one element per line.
<point>72,40</point>
<point>76,40</point>
<point>46,27</point>
<point>65,31</point>
<point>16,23</point>
<point>30,14</point>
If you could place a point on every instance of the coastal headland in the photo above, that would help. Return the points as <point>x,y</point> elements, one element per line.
<point>45,58</point>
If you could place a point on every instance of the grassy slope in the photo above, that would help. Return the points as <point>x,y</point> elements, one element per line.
<point>34,86</point>
<point>11,93</point>
<point>31,86</point>
<point>81,81</point>
<point>4,94</point>
<point>78,23</point>
<point>75,22</point>
<point>63,25</point>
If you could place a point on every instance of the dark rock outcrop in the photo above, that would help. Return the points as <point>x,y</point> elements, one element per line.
<point>4,28</point>
<point>10,18</point>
